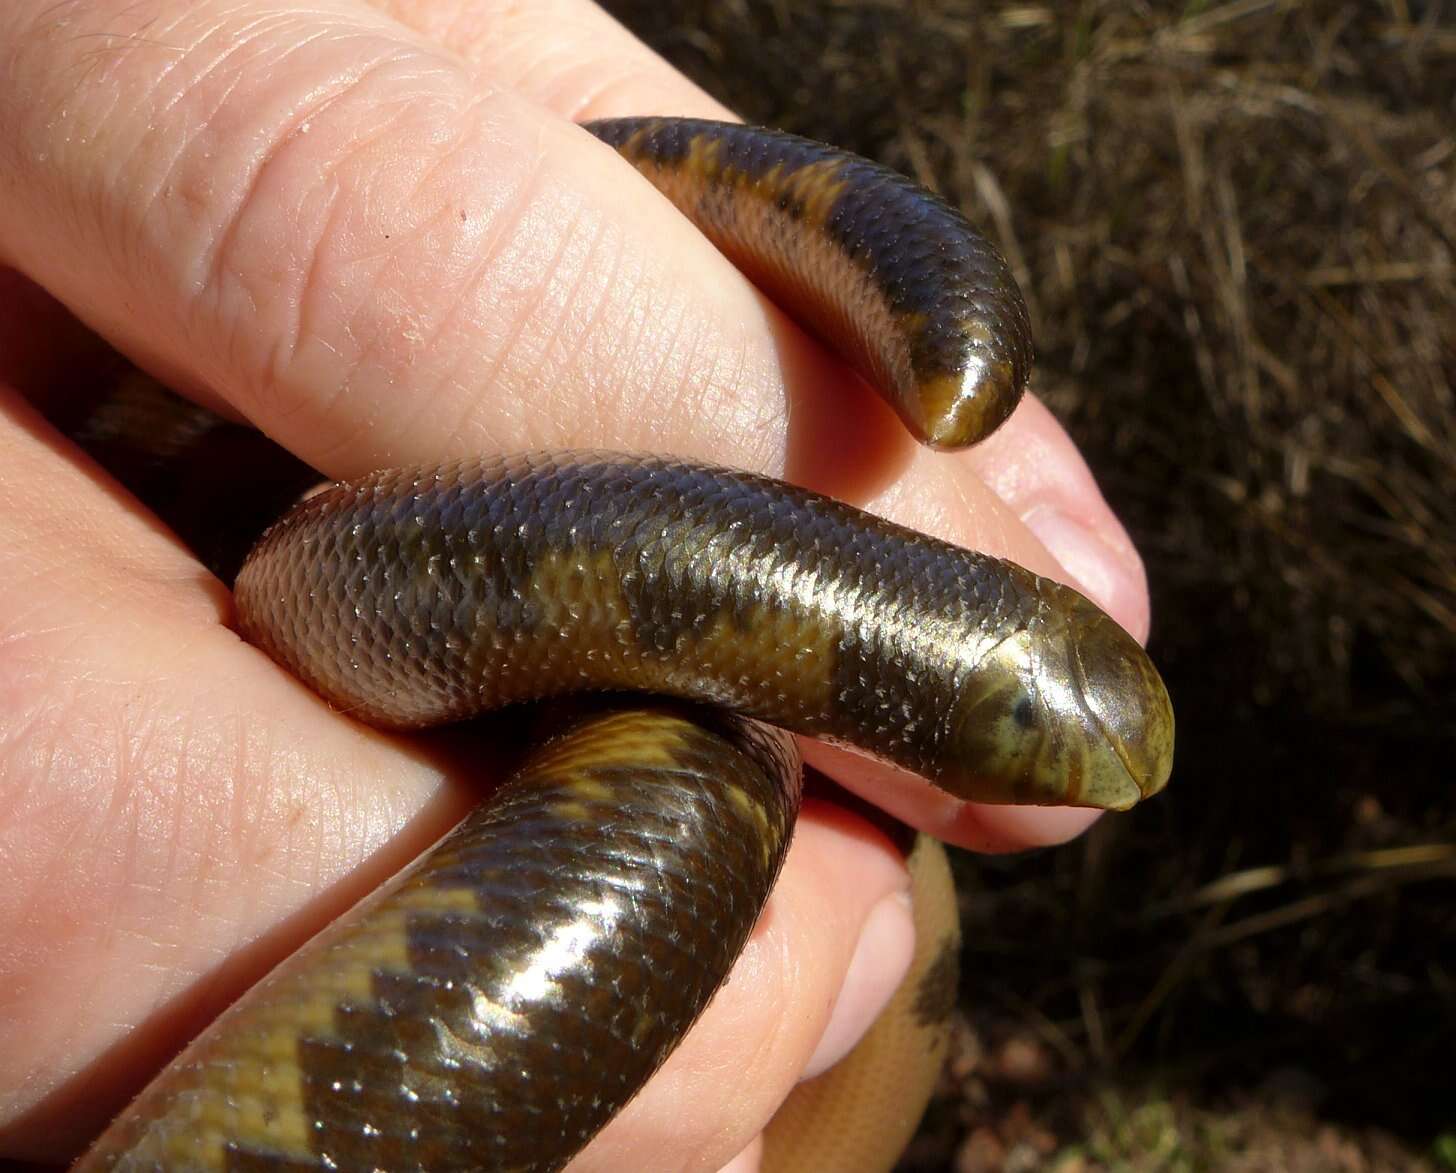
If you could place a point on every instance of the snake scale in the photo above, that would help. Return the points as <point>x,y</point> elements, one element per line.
<point>496,1004</point>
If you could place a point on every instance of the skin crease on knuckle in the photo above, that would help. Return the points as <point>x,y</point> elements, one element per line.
<point>379,333</point>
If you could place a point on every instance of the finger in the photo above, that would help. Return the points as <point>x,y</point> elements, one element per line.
<point>1032,465</point>
<point>364,253</point>
<point>573,59</point>
<point>174,813</point>
<point>568,56</point>
<point>357,316</point>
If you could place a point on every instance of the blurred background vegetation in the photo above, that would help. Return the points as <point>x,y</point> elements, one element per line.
<point>1235,224</point>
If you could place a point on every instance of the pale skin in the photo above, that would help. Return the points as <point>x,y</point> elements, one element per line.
<point>372,231</point>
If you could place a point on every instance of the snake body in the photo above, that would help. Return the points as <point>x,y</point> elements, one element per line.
<point>889,275</point>
<point>483,1013</point>
<point>497,1004</point>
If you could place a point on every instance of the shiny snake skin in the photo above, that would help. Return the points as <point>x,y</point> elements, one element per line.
<point>889,275</point>
<point>415,597</point>
<point>408,1035</point>
<point>494,1006</point>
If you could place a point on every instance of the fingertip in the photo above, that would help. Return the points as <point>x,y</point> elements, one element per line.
<point>1035,468</point>
<point>880,961</point>
<point>1112,576</point>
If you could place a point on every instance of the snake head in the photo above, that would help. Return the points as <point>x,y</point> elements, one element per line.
<point>1067,710</point>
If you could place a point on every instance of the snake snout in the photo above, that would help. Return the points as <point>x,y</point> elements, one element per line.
<point>1065,711</point>
<point>1128,707</point>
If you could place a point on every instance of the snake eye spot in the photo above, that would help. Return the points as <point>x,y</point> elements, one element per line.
<point>1024,714</point>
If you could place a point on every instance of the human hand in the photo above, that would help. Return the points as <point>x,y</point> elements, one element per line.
<point>373,232</point>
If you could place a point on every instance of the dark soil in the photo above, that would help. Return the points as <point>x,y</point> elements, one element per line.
<point>1236,227</point>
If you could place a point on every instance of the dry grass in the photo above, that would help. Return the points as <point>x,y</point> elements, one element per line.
<point>1236,226</point>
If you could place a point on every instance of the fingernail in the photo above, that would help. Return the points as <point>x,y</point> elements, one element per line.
<point>1111,577</point>
<point>880,962</point>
